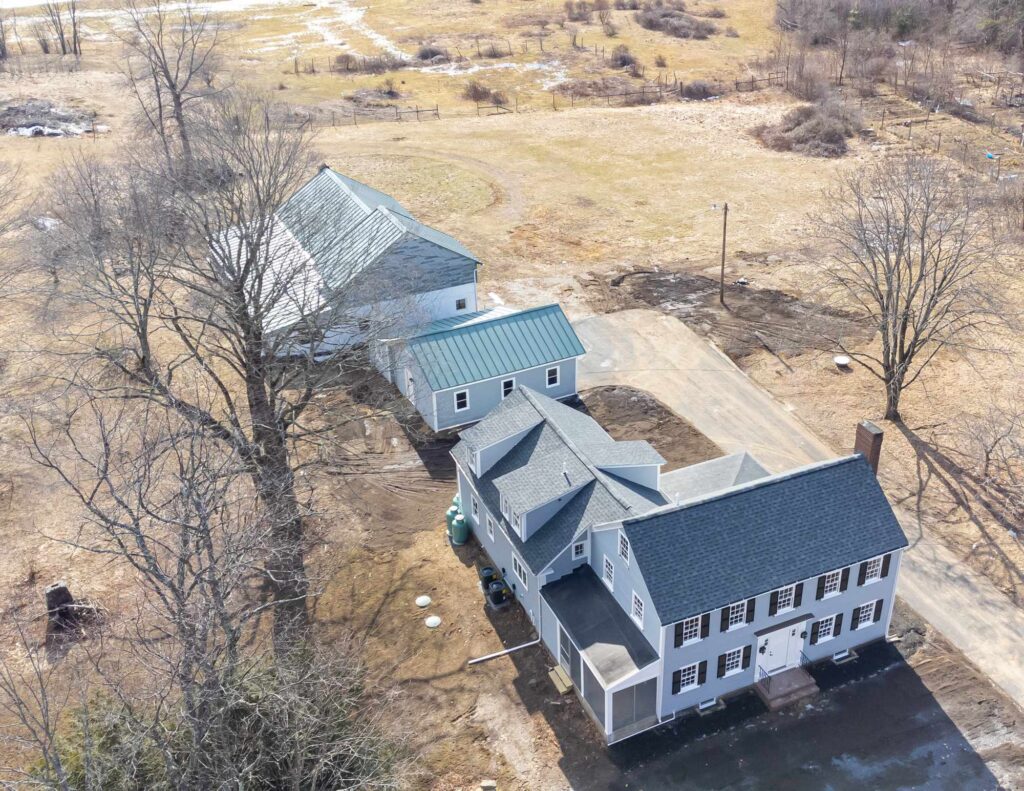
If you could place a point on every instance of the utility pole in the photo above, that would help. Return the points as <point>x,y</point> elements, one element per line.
<point>725,225</point>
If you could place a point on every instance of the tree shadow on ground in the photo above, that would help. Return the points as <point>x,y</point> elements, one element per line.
<point>966,497</point>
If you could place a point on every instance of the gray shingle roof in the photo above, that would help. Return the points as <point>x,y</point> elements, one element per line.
<point>711,476</point>
<point>488,349</point>
<point>756,537</point>
<point>360,238</point>
<point>531,472</point>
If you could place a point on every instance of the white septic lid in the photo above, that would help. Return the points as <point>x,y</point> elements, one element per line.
<point>433,621</point>
<point>422,601</point>
<point>841,360</point>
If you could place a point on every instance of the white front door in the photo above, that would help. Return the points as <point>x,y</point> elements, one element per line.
<point>779,650</point>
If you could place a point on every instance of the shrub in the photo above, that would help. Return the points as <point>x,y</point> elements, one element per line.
<point>476,91</point>
<point>660,62</point>
<point>698,89</point>
<point>578,10</point>
<point>817,130</point>
<point>429,52</point>
<point>622,57</point>
<point>732,32</point>
<point>669,16</point>
<point>715,12</point>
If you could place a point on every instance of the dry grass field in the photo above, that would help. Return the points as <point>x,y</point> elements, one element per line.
<point>557,204</point>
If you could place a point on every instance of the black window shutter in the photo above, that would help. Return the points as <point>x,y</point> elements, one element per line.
<point>773,603</point>
<point>679,634</point>
<point>721,665</point>
<point>705,625</point>
<point>702,672</point>
<point>854,619</point>
<point>750,609</point>
<point>798,594</point>
<point>746,657</point>
<point>676,681</point>
<point>885,564</point>
<point>814,632</point>
<point>837,627</point>
<point>878,611</point>
<point>821,587</point>
<point>725,618</point>
<point>862,574</point>
<point>845,579</point>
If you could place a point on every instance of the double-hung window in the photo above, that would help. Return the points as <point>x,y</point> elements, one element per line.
<point>733,661</point>
<point>609,573</point>
<point>691,629</point>
<point>864,615</point>
<point>785,600</point>
<point>508,387</point>
<point>624,547</point>
<point>832,581</point>
<point>737,614</point>
<point>826,628</point>
<point>688,677</point>
<point>873,570</point>
<point>461,400</point>
<point>638,610</point>
<point>519,571</point>
<point>476,508</point>
<point>490,527</point>
<point>552,376</point>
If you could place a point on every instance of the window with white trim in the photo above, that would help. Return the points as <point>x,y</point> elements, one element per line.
<point>609,572</point>
<point>578,550</point>
<point>552,376</point>
<point>462,401</point>
<point>460,304</point>
<point>624,547</point>
<point>825,628</point>
<point>873,570</point>
<point>864,615</point>
<point>785,601</point>
<point>505,506</point>
<point>508,387</point>
<point>490,527</point>
<point>832,580</point>
<point>688,677</point>
<point>517,523</point>
<point>737,614</point>
<point>733,661</point>
<point>691,630</point>
<point>476,508</point>
<point>519,571</point>
<point>638,610</point>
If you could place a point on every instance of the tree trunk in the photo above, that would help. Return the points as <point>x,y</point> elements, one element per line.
<point>893,391</point>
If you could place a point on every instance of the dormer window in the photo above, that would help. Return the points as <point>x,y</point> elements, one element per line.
<point>505,508</point>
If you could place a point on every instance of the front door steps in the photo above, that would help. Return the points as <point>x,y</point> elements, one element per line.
<point>786,688</point>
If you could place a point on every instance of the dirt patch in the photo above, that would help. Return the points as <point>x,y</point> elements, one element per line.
<point>753,320</point>
<point>629,414</point>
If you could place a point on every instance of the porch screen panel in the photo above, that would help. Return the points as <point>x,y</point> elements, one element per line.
<point>634,704</point>
<point>593,693</point>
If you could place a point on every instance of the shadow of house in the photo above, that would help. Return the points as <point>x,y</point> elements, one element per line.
<point>875,725</point>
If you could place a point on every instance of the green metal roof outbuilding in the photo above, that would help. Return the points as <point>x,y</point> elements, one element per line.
<point>489,349</point>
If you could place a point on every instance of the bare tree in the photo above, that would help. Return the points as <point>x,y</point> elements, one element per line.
<point>187,696</point>
<point>210,309</point>
<point>65,25</point>
<point>170,64</point>
<point>912,249</point>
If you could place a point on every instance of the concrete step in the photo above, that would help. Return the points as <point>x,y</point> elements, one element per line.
<point>786,688</point>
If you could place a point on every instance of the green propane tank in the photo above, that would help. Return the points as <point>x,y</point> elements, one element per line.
<point>449,517</point>
<point>457,501</point>
<point>460,530</point>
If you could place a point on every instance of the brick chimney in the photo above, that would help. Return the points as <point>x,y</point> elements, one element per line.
<point>869,443</point>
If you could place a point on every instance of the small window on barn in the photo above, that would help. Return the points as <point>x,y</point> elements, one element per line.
<point>553,376</point>
<point>462,401</point>
<point>460,304</point>
<point>508,386</point>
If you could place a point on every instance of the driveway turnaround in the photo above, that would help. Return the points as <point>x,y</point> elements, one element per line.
<point>650,351</point>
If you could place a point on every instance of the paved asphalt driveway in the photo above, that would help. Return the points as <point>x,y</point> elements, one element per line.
<point>650,351</point>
